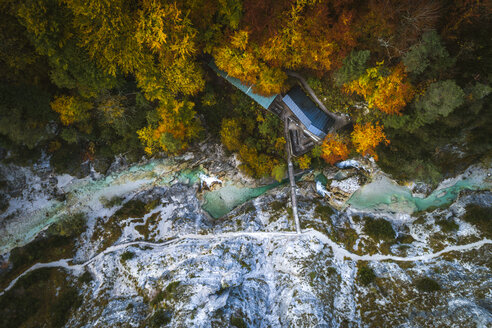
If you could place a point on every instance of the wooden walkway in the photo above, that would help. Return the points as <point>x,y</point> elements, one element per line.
<point>290,168</point>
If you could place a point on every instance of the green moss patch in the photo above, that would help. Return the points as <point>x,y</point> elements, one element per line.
<point>479,216</point>
<point>160,318</point>
<point>131,209</point>
<point>427,285</point>
<point>86,277</point>
<point>365,275</point>
<point>127,255</point>
<point>405,239</point>
<point>277,206</point>
<point>145,229</point>
<point>421,219</point>
<point>379,229</point>
<point>110,230</point>
<point>114,201</point>
<point>448,225</point>
<point>69,226</point>
<point>238,322</point>
<point>60,309</point>
<point>167,294</point>
<point>323,212</point>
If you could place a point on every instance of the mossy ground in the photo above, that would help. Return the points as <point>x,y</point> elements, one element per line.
<point>43,297</point>
<point>145,229</point>
<point>426,284</point>
<point>419,293</point>
<point>114,201</point>
<point>323,212</point>
<point>379,229</point>
<point>365,274</point>
<point>345,235</point>
<point>167,294</point>
<point>159,318</point>
<point>109,230</point>
<point>277,208</point>
<point>480,217</point>
<point>316,214</point>
<point>127,255</point>
<point>448,225</point>
<point>56,243</point>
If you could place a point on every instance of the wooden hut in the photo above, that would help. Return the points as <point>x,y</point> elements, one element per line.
<point>308,120</point>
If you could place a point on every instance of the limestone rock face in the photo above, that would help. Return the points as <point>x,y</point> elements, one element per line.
<point>342,190</point>
<point>345,180</point>
<point>151,256</point>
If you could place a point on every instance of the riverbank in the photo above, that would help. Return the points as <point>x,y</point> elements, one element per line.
<point>148,248</point>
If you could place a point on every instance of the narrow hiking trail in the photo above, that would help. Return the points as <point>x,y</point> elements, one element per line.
<point>338,251</point>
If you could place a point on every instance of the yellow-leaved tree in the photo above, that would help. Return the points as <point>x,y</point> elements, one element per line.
<point>366,137</point>
<point>293,35</point>
<point>171,127</point>
<point>390,93</point>
<point>168,39</point>
<point>304,162</point>
<point>231,134</point>
<point>71,109</point>
<point>240,60</point>
<point>111,107</point>
<point>310,34</point>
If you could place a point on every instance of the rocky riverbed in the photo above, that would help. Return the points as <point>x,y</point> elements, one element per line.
<point>136,247</point>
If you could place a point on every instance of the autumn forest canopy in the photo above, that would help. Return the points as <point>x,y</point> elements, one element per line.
<point>87,80</point>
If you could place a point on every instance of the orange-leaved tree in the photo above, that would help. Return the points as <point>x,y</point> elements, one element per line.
<point>334,149</point>
<point>390,93</point>
<point>366,137</point>
<point>393,91</point>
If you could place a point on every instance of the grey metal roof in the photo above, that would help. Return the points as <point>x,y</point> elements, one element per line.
<point>314,119</point>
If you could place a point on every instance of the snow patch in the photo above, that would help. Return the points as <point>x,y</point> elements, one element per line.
<point>208,181</point>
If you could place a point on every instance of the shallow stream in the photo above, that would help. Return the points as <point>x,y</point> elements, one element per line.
<point>384,194</point>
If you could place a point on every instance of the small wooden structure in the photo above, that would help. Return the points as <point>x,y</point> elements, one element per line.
<point>306,120</point>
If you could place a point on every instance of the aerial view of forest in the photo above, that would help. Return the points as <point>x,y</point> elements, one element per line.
<point>91,79</point>
<point>133,129</point>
